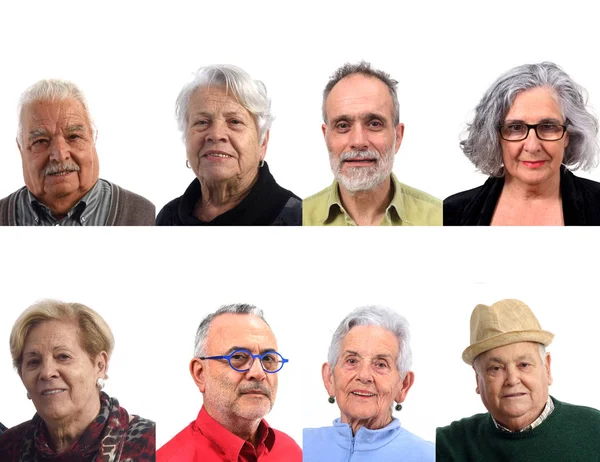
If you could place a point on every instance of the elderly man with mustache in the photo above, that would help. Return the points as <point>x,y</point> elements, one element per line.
<point>235,368</point>
<point>363,133</point>
<point>57,141</point>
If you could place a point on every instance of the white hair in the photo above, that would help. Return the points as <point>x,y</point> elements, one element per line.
<point>251,94</point>
<point>380,316</point>
<point>51,90</point>
<point>203,328</point>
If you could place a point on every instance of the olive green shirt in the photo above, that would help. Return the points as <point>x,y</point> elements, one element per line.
<point>408,207</point>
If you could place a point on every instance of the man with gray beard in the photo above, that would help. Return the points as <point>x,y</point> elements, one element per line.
<point>57,141</point>
<point>235,367</point>
<point>363,132</point>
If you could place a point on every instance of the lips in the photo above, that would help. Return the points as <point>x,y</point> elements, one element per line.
<point>533,163</point>
<point>514,395</point>
<point>52,391</point>
<point>217,154</point>
<point>62,173</point>
<point>363,393</point>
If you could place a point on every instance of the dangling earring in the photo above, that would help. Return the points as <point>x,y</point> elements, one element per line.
<point>261,164</point>
<point>331,399</point>
<point>100,383</point>
<point>187,163</point>
<point>28,395</point>
<point>398,407</point>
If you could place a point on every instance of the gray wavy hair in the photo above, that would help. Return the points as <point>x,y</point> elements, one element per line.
<point>51,90</point>
<point>251,94</point>
<point>482,144</point>
<point>237,308</point>
<point>375,316</point>
<point>363,68</point>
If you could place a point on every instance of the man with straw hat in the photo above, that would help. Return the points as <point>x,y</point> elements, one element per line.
<point>523,423</point>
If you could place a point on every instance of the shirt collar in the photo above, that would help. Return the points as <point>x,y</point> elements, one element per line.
<point>548,409</point>
<point>232,445</point>
<point>395,210</point>
<point>365,439</point>
<point>85,206</point>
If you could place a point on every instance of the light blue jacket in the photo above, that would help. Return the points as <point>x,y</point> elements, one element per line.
<point>389,444</point>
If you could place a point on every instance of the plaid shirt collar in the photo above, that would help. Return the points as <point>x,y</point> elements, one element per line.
<point>543,416</point>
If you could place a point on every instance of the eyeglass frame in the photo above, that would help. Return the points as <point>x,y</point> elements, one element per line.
<point>535,129</point>
<point>253,356</point>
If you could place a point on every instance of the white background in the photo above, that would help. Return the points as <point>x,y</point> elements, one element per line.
<point>154,287</point>
<point>132,58</point>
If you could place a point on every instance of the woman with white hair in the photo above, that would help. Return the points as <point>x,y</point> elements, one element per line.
<point>531,128</point>
<point>368,369</point>
<point>225,117</point>
<point>61,352</point>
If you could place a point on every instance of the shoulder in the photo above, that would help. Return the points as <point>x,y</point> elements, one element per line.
<point>415,444</point>
<point>7,208</point>
<point>421,208</point>
<point>130,209</point>
<point>168,215</point>
<point>10,442</point>
<point>286,443</point>
<point>291,213</point>
<point>181,447</point>
<point>314,208</point>
<point>140,442</point>
<point>319,442</point>
<point>461,427</point>
<point>455,205</point>
<point>591,186</point>
<point>587,415</point>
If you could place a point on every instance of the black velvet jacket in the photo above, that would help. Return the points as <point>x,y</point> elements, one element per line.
<point>266,204</point>
<point>475,207</point>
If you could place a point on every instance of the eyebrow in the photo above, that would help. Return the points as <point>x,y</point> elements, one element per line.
<point>377,356</point>
<point>526,356</point>
<point>264,350</point>
<point>37,132</point>
<point>547,120</point>
<point>364,117</point>
<point>75,128</point>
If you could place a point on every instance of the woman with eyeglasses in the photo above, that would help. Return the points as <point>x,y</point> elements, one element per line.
<point>531,128</point>
<point>368,375</point>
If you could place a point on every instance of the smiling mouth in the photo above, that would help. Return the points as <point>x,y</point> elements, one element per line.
<point>366,395</point>
<point>514,395</point>
<point>52,392</point>
<point>63,173</point>
<point>533,163</point>
<point>217,154</point>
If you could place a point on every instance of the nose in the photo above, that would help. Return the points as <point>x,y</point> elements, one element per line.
<point>364,372</point>
<point>48,370</point>
<point>532,142</point>
<point>58,149</point>
<point>358,138</point>
<point>256,372</point>
<point>217,131</point>
<point>512,377</point>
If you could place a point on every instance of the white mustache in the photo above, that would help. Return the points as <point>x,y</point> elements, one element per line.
<point>58,167</point>
<point>369,155</point>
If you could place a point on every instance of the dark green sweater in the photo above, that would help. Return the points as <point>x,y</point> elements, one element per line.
<point>569,434</point>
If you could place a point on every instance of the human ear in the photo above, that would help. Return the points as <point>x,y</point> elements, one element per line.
<point>197,371</point>
<point>407,382</point>
<point>327,374</point>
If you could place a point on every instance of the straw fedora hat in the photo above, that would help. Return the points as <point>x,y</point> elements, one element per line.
<point>505,322</point>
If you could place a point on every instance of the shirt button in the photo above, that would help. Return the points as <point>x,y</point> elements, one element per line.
<point>57,224</point>
<point>83,219</point>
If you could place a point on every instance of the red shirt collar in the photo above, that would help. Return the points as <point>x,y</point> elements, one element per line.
<point>233,447</point>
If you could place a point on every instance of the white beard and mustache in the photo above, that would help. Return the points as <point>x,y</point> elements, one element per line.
<point>355,179</point>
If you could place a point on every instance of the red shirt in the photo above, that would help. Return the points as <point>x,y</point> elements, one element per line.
<point>206,440</point>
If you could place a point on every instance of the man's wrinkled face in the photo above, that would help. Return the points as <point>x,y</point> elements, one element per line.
<point>360,133</point>
<point>58,150</point>
<point>237,395</point>
<point>513,383</point>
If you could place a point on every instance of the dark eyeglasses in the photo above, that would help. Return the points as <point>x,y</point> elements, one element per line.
<point>242,360</point>
<point>544,131</point>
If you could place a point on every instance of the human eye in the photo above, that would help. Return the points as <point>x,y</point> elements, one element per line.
<point>381,365</point>
<point>31,363</point>
<point>39,142</point>
<point>515,128</point>
<point>549,128</point>
<point>342,126</point>
<point>375,124</point>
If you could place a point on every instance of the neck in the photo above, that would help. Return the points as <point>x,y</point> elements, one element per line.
<point>64,432</point>
<point>220,197</point>
<point>548,190</point>
<point>246,429</point>
<point>60,206</point>
<point>367,207</point>
<point>374,423</point>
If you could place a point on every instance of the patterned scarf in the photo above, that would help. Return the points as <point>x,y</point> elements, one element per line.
<point>102,440</point>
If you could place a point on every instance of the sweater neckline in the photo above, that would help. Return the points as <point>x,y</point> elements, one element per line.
<point>365,439</point>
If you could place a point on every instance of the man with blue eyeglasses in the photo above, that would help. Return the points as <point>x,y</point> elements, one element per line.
<point>235,367</point>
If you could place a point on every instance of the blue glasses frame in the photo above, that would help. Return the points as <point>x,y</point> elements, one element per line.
<point>253,357</point>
